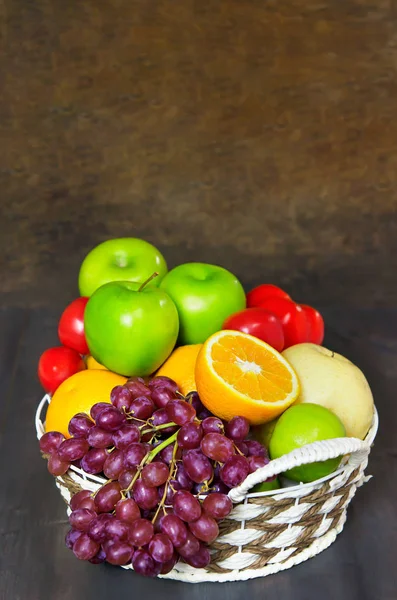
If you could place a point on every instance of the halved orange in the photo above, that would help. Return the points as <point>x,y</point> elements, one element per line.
<point>238,374</point>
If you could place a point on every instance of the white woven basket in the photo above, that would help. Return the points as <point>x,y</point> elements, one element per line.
<point>267,532</point>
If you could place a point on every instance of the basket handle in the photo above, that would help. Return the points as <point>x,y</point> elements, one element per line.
<point>317,451</point>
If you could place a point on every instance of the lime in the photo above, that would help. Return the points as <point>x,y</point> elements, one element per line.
<point>266,486</point>
<point>300,425</point>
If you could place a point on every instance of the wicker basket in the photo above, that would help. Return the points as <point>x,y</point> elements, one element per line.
<point>268,531</point>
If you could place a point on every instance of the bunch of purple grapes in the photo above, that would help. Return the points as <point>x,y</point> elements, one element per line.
<point>170,464</point>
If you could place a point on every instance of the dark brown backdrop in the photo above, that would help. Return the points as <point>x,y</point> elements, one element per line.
<point>259,135</point>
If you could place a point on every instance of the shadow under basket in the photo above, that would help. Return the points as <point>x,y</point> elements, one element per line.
<point>272,531</point>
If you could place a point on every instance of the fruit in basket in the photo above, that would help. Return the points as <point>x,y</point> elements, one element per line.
<point>256,296</point>
<point>185,468</point>
<point>77,395</point>
<point>131,328</point>
<point>71,326</point>
<point>331,380</point>
<point>315,325</point>
<point>239,374</point>
<point>120,259</point>
<point>267,486</point>
<point>180,366</point>
<point>56,365</point>
<point>300,425</point>
<point>205,295</point>
<point>260,323</point>
<point>292,318</point>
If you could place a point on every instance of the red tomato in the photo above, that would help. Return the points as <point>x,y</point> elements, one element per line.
<point>292,318</point>
<point>259,323</point>
<point>315,324</point>
<point>71,326</point>
<point>56,365</point>
<point>267,290</point>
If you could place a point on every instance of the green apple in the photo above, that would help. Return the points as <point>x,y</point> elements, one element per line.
<point>121,259</point>
<point>205,295</point>
<point>130,329</point>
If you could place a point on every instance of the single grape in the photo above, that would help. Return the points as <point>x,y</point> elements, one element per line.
<point>117,530</point>
<point>174,528</point>
<point>167,453</point>
<point>161,396</point>
<point>172,487</point>
<point>217,447</point>
<point>141,532</point>
<point>183,478</point>
<point>99,438</point>
<point>50,441</point>
<point>73,449</point>
<point>146,497</point>
<point>144,564</point>
<point>110,419</point>
<point>194,399</point>
<point>71,536</point>
<point>97,527</point>
<point>56,466</point>
<point>135,379</point>
<point>81,518</point>
<point>99,558</point>
<point>255,448</point>
<point>161,548</point>
<point>204,414</point>
<point>163,382</point>
<point>237,429</point>
<point>190,547</point>
<point>77,498</point>
<point>160,417</point>
<point>212,425</point>
<point>80,425</point>
<point>217,505</point>
<point>189,436</point>
<point>219,487</point>
<point>126,435</point>
<point>242,447</point>
<point>85,548</point>
<point>114,464</point>
<point>121,397</point>
<point>257,462</point>
<point>186,506</point>
<point>137,389</point>
<point>94,460</point>
<point>142,407</point>
<point>119,553</point>
<point>134,454</point>
<point>234,471</point>
<point>127,510</point>
<point>97,408</point>
<point>201,559</point>
<point>155,474</point>
<point>205,528</point>
<point>180,412</point>
<point>126,477</point>
<point>88,503</point>
<point>107,497</point>
<point>197,466</point>
<point>168,566</point>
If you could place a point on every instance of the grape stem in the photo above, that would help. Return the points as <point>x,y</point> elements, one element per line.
<point>172,471</point>
<point>238,449</point>
<point>148,280</point>
<point>163,426</point>
<point>161,446</point>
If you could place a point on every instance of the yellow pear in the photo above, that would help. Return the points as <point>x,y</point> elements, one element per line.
<point>333,381</point>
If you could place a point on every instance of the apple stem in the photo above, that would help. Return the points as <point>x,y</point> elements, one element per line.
<point>152,276</point>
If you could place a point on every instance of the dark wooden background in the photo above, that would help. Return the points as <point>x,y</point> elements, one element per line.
<point>260,135</point>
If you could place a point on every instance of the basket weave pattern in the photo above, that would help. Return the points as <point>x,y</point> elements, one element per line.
<point>269,531</point>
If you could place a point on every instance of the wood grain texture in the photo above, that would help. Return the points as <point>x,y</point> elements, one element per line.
<point>258,135</point>
<point>35,564</point>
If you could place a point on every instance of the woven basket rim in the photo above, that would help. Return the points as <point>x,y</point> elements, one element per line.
<point>290,488</point>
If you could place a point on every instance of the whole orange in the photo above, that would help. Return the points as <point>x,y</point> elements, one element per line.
<point>78,394</point>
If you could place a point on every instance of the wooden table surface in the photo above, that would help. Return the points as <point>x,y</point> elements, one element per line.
<point>259,135</point>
